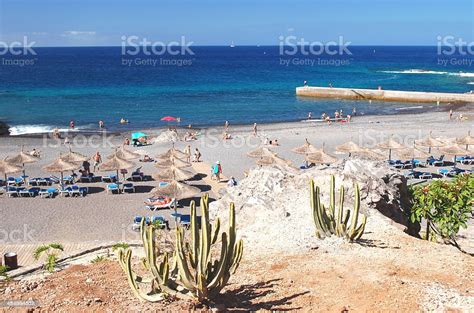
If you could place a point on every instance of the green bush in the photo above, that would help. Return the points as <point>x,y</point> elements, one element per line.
<point>445,206</point>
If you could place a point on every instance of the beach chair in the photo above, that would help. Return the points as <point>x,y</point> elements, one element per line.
<point>13,191</point>
<point>30,192</point>
<point>426,175</point>
<point>160,222</point>
<point>185,220</point>
<point>137,175</point>
<point>109,178</point>
<point>68,179</point>
<point>65,191</point>
<point>128,187</point>
<point>113,187</point>
<point>419,163</point>
<point>159,203</point>
<point>436,162</point>
<point>85,179</point>
<point>54,179</point>
<point>75,190</point>
<point>48,193</point>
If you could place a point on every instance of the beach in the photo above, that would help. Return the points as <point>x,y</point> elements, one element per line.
<point>101,217</point>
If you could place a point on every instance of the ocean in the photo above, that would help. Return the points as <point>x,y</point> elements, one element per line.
<point>243,84</point>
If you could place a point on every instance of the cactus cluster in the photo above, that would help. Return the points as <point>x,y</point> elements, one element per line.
<point>331,221</point>
<point>191,272</point>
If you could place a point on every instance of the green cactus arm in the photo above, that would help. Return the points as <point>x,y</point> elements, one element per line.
<point>205,240</point>
<point>184,273</point>
<point>355,214</point>
<point>332,196</point>
<point>239,248</point>
<point>215,231</point>
<point>194,234</point>
<point>223,264</point>
<point>360,230</point>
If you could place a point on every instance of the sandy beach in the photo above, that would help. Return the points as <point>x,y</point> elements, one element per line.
<point>102,217</point>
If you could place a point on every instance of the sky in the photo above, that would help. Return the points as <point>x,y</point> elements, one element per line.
<point>245,22</point>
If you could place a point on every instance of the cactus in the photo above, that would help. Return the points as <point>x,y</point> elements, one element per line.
<point>193,273</point>
<point>329,221</point>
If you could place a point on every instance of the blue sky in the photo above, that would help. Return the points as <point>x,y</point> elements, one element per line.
<point>246,22</point>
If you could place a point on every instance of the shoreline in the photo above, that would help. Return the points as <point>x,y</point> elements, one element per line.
<point>460,107</point>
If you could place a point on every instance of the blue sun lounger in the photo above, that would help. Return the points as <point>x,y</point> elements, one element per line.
<point>113,187</point>
<point>30,192</point>
<point>48,193</point>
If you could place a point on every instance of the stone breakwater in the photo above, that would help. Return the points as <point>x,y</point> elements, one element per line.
<point>384,95</point>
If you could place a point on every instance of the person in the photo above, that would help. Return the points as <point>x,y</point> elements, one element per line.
<point>275,142</point>
<point>266,142</point>
<point>66,141</point>
<point>354,111</point>
<point>187,151</point>
<point>349,117</point>
<point>97,160</point>
<point>56,133</point>
<point>101,124</point>
<point>330,85</point>
<point>336,115</point>
<point>305,83</point>
<point>87,168</point>
<point>226,125</point>
<point>232,182</point>
<point>379,87</point>
<point>323,116</point>
<point>197,155</point>
<point>147,158</point>
<point>451,114</point>
<point>310,115</point>
<point>71,124</point>
<point>255,129</point>
<point>123,121</point>
<point>217,171</point>
<point>226,136</point>
<point>126,142</point>
<point>35,153</point>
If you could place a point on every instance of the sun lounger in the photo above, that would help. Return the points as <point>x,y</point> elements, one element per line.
<point>137,176</point>
<point>31,192</point>
<point>68,179</point>
<point>160,221</point>
<point>128,187</point>
<point>419,163</point>
<point>15,181</point>
<point>450,172</point>
<point>436,162</point>
<point>185,220</point>
<point>13,191</point>
<point>159,203</point>
<point>75,190</point>
<point>65,191</point>
<point>85,179</point>
<point>109,178</point>
<point>48,193</point>
<point>113,187</point>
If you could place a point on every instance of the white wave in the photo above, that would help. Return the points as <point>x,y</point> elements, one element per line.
<point>34,129</point>
<point>470,83</point>
<point>418,71</point>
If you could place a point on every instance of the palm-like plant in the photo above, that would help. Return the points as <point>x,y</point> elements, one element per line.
<point>51,252</point>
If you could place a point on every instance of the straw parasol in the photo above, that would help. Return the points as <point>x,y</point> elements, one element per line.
<point>370,153</point>
<point>74,157</point>
<point>165,163</point>
<point>466,140</point>
<point>115,163</point>
<point>306,148</point>
<point>125,154</point>
<point>261,152</point>
<point>177,190</point>
<point>412,153</point>
<point>390,145</point>
<point>453,150</point>
<point>60,166</point>
<point>273,160</point>
<point>348,147</point>
<point>22,158</point>
<point>173,152</point>
<point>8,168</point>
<point>320,158</point>
<point>429,142</point>
<point>174,173</point>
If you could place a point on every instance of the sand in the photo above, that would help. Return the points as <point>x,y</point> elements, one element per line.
<point>102,217</point>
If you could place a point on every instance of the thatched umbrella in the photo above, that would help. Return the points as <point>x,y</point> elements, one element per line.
<point>60,166</point>
<point>274,160</point>
<point>307,148</point>
<point>390,145</point>
<point>466,140</point>
<point>453,150</point>
<point>125,154</point>
<point>173,152</point>
<point>114,163</point>
<point>412,153</point>
<point>261,152</point>
<point>165,163</point>
<point>22,158</point>
<point>7,168</point>
<point>348,147</point>
<point>429,142</point>
<point>177,190</point>
<point>174,173</point>
<point>74,157</point>
<point>320,158</point>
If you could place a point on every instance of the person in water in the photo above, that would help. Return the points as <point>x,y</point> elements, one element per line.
<point>123,121</point>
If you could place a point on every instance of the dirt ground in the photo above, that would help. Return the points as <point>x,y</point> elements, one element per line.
<point>400,274</point>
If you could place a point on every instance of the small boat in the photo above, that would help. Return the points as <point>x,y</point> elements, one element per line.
<point>232,44</point>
